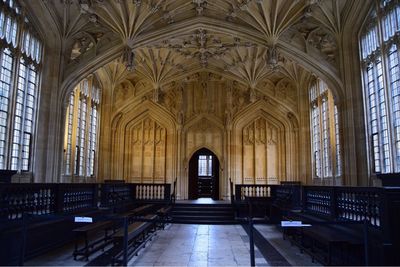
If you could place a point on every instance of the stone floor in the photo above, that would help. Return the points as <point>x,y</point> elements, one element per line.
<point>290,252</point>
<point>203,201</point>
<point>195,245</point>
<point>199,245</point>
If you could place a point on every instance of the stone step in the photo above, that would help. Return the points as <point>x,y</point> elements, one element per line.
<point>203,213</point>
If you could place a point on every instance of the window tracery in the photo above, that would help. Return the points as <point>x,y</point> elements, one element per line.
<point>325,132</point>
<point>379,42</point>
<point>81,131</point>
<point>20,61</point>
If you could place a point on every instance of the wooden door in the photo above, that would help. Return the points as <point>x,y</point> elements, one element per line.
<point>204,175</point>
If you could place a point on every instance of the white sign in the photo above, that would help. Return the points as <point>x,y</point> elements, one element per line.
<point>84,219</point>
<point>293,224</point>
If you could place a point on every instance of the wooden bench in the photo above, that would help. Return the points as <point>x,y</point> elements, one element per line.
<point>137,212</point>
<point>325,238</point>
<point>321,240</point>
<point>92,230</point>
<point>163,213</point>
<point>138,235</point>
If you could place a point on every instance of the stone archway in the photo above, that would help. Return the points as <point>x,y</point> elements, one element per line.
<point>204,175</point>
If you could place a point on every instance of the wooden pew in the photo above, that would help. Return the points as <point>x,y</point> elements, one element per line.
<point>91,231</point>
<point>322,240</point>
<point>137,211</point>
<point>138,234</point>
<point>164,214</point>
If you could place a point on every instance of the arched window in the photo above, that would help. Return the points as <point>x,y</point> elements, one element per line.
<point>325,136</point>
<point>81,129</point>
<point>20,59</point>
<point>380,41</point>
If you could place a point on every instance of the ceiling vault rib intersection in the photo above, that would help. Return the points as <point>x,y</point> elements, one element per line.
<point>250,41</point>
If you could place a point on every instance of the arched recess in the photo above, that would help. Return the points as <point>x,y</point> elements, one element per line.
<point>47,149</point>
<point>143,145</point>
<point>264,145</point>
<point>205,131</point>
<point>204,183</point>
<point>351,108</point>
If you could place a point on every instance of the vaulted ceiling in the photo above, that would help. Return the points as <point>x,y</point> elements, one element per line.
<point>161,41</point>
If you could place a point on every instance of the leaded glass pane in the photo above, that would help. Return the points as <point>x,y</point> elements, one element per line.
<point>324,161</point>
<point>381,87</point>
<point>86,129</point>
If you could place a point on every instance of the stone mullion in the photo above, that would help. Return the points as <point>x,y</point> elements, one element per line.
<point>88,128</point>
<point>389,105</point>
<point>332,135</point>
<point>385,46</point>
<point>321,138</point>
<point>74,138</point>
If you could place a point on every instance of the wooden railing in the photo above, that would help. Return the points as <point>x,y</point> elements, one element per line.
<point>318,200</point>
<point>288,196</point>
<point>113,194</point>
<point>242,191</point>
<point>345,203</point>
<point>151,191</point>
<point>42,199</point>
<point>334,203</point>
<point>117,193</point>
<point>378,207</point>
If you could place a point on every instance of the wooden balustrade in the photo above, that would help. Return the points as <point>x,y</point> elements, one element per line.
<point>358,204</point>
<point>114,194</point>
<point>334,203</point>
<point>318,200</point>
<point>288,195</point>
<point>243,190</point>
<point>77,197</point>
<point>152,191</point>
<point>42,199</point>
<point>345,203</point>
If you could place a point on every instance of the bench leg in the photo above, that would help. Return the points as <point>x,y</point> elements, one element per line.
<point>312,250</point>
<point>86,248</point>
<point>329,254</point>
<point>106,237</point>
<point>76,248</point>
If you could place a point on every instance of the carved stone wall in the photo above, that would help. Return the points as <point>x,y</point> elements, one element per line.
<point>153,141</point>
<point>145,152</point>
<point>142,149</point>
<point>204,133</point>
<point>260,157</point>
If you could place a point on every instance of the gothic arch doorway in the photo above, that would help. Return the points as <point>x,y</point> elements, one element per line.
<point>204,175</point>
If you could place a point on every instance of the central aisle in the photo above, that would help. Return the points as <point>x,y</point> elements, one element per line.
<point>198,245</point>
